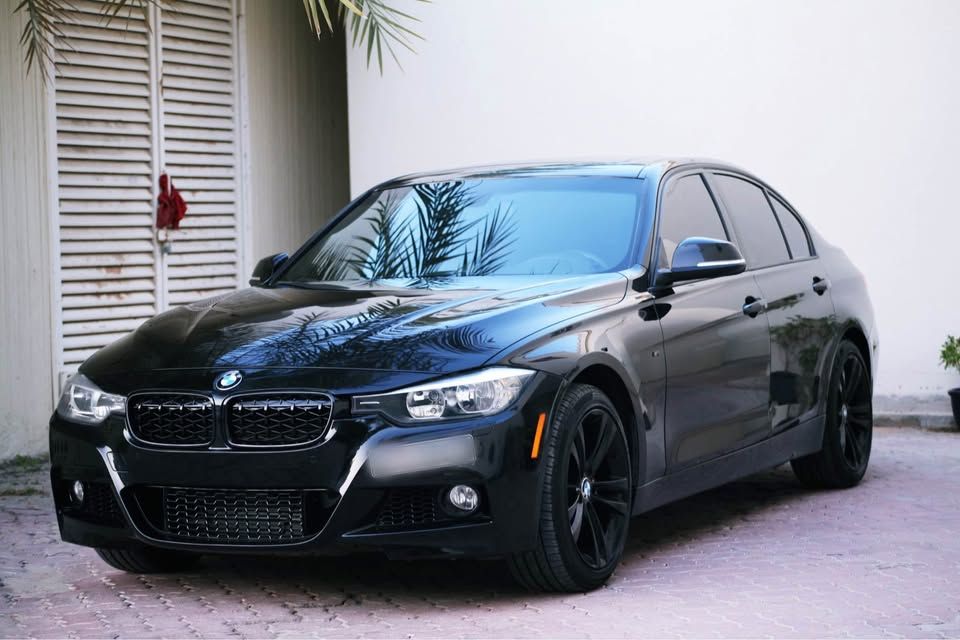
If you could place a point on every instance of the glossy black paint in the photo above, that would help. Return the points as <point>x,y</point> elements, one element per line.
<point>699,258</point>
<point>714,377</point>
<point>266,267</point>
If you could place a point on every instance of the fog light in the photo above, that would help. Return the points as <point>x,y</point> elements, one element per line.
<point>76,492</point>
<point>464,498</point>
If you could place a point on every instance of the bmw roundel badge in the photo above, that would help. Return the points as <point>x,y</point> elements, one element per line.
<point>229,380</point>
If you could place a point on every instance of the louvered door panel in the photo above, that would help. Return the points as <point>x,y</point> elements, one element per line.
<point>105,157</point>
<point>198,101</point>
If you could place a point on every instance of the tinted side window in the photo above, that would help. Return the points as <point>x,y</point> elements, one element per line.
<point>757,229</point>
<point>687,211</point>
<point>793,229</point>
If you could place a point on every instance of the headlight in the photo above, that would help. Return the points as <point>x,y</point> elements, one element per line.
<point>83,401</point>
<point>480,393</point>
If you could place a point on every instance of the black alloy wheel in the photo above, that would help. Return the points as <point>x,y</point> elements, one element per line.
<point>848,426</point>
<point>598,488</point>
<point>854,412</point>
<point>586,500</point>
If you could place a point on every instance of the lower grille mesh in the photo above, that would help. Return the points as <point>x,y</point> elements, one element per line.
<point>98,506</point>
<point>232,516</point>
<point>410,508</point>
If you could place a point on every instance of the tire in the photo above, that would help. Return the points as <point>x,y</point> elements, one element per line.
<point>848,426</point>
<point>586,489</point>
<point>148,560</point>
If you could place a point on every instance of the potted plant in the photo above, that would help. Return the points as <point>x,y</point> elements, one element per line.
<point>950,358</point>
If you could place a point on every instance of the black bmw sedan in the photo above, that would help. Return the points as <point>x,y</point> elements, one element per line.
<point>503,361</point>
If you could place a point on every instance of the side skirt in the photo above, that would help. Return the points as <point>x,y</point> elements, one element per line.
<point>801,440</point>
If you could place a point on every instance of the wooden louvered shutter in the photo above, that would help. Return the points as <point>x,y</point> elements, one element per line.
<point>131,102</point>
<point>199,151</point>
<point>105,155</point>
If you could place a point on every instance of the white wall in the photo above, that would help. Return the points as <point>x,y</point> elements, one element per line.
<point>849,108</point>
<point>298,127</point>
<point>26,365</point>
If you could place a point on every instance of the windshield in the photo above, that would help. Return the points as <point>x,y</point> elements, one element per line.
<point>481,227</point>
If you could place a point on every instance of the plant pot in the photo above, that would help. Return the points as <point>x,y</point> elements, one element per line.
<point>955,404</point>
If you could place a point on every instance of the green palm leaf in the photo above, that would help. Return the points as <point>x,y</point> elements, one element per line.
<point>373,23</point>
<point>43,18</point>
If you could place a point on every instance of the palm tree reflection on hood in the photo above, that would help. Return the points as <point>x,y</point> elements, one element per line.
<point>377,334</point>
<point>422,237</point>
<point>430,247</point>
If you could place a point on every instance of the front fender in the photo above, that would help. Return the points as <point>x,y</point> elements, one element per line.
<point>625,341</point>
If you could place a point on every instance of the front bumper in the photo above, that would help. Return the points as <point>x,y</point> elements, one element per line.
<point>344,503</point>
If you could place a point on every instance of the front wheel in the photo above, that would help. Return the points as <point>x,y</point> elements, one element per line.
<point>148,559</point>
<point>585,504</point>
<point>848,427</point>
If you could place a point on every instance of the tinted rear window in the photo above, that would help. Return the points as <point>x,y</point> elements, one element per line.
<point>759,234</point>
<point>793,230</point>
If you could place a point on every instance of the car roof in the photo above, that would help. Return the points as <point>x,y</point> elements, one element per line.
<point>632,168</point>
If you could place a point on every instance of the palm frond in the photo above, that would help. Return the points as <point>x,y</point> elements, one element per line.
<point>112,8</point>
<point>442,231</point>
<point>372,23</point>
<point>491,247</point>
<point>387,253</point>
<point>314,9</point>
<point>333,262</point>
<point>44,17</point>
<point>369,322</point>
<point>42,26</point>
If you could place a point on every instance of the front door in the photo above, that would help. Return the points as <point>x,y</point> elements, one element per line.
<point>717,356</point>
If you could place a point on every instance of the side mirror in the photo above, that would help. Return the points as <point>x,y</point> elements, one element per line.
<point>697,258</point>
<point>266,268</point>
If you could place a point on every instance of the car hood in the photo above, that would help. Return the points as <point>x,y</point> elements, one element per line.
<point>459,325</point>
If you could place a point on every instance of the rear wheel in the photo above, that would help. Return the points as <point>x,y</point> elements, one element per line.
<point>848,428</point>
<point>585,505</point>
<point>148,560</point>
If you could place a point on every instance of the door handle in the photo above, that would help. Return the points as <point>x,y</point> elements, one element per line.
<point>754,306</point>
<point>820,285</point>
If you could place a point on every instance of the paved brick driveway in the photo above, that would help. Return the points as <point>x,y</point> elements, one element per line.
<point>757,558</point>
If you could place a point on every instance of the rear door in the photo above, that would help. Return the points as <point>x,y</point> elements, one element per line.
<point>716,355</point>
<point>795,287</point>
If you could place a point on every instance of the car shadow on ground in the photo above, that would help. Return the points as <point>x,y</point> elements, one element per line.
<point>713,511</point>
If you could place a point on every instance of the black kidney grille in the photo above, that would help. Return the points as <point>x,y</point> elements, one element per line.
<point>234,516</point>
<point>172,419</point>
<point>410,508</point>
<point>278,420</point>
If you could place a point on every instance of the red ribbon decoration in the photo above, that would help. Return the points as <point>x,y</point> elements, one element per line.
<point>170,205</point>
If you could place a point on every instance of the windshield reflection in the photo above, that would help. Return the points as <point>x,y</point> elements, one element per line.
<point>426,234</point>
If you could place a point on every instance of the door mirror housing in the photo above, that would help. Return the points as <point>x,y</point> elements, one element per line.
<point>699,258</point>
<point>266,268</point>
